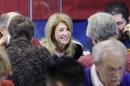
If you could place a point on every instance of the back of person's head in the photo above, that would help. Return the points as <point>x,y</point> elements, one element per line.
<point>109,46</point>
<point>21,26</point>
<point>65,72</point>
<point>5,65</point>
<point>118,7</point>
<point>101,26</point>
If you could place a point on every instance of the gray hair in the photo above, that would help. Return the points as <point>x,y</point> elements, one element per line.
<point>9,16</point>
<point>101,26</point>
<point>112,45</point>
<point>5,20</point>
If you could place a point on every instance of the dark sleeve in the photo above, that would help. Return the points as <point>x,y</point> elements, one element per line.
<point>27,75</point>
<point>31,71</point>
<point>78,51</point>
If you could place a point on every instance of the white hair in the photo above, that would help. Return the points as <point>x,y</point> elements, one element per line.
<point>112,45</point>
<point>101,26</point>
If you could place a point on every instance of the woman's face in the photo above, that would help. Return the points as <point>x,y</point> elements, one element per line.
<point>62,34</point>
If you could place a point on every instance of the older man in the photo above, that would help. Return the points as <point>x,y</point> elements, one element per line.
<point>109,63</point>
<point>120,13</point>
<point>101,26</point>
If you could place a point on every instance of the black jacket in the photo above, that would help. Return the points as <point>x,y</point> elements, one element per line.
<point>78,52</point>
<point>29,63</point>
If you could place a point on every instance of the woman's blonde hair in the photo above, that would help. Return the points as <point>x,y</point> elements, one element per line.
<point>48,41</point>
<point>5,64</point>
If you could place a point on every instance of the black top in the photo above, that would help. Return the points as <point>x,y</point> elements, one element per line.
<point>29,63</point>
<point>78,52</point>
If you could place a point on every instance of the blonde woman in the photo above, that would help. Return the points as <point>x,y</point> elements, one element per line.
<point>58,37</point>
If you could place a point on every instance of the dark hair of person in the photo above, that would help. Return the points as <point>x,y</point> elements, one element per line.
<point>67,71</point>
<point>118,7</point>
<point>21,26</point>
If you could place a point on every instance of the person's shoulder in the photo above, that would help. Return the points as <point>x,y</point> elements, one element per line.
<point>44,55</point>
<point>77,43</point>
<point>39,49</point>
<point>77,46</point>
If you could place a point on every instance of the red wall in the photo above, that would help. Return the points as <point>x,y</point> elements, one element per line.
<point>82,9</point>
<point>42,9</point>
<point>14,5</point>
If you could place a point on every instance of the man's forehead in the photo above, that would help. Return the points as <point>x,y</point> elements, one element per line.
<point>113,60</point>
<point>118,17</point>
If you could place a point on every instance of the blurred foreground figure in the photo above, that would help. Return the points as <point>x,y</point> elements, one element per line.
<point>66,72</point>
